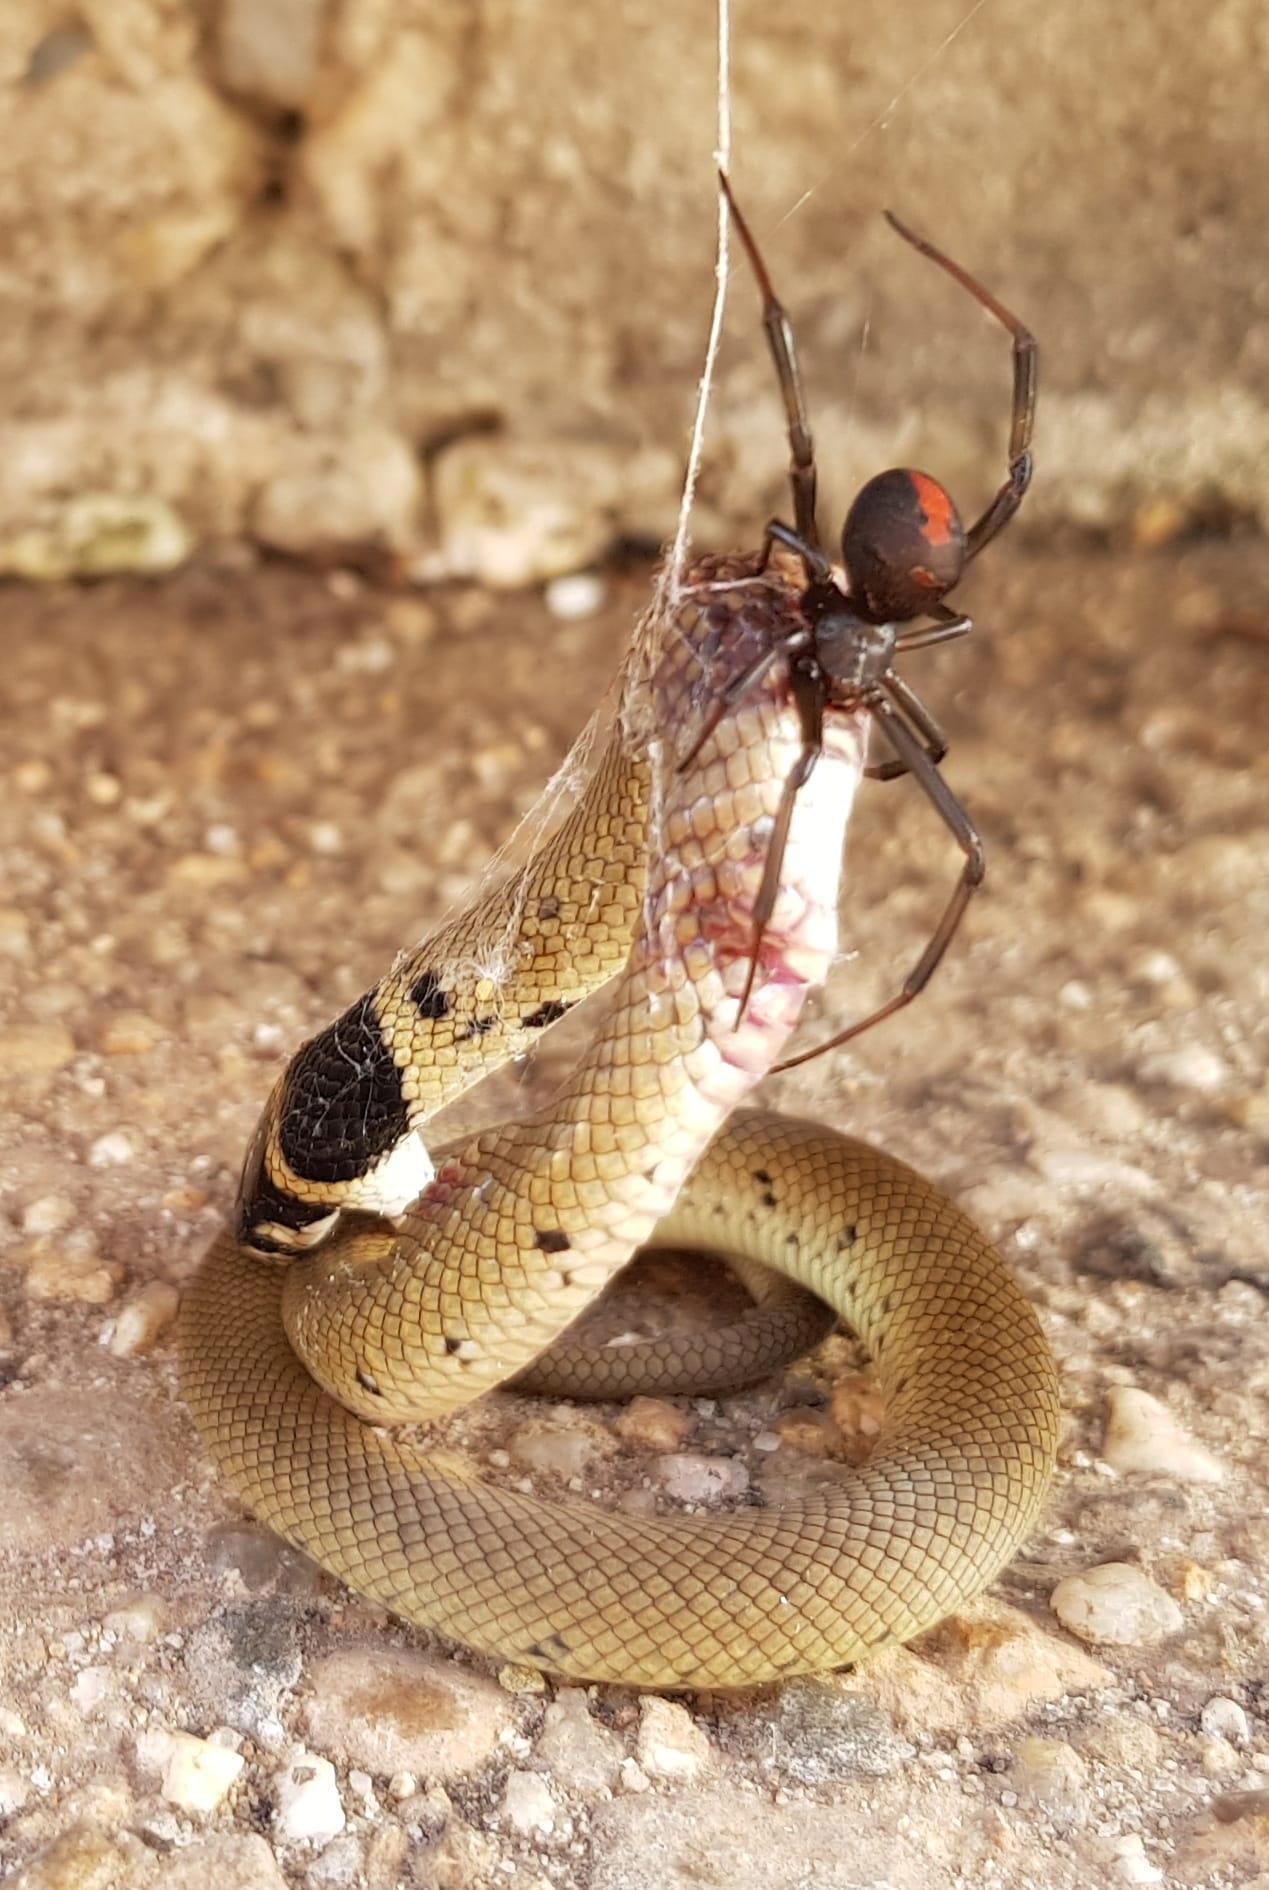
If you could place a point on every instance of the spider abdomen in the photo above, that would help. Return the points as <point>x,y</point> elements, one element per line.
<point>903,544</point>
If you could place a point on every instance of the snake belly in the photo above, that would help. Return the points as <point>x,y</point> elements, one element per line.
<point>295,1361</point>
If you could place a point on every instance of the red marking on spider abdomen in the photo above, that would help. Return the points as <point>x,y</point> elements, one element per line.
<point>941,522</point>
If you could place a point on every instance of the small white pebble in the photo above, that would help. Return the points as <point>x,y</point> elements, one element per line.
<point>653,1424</point>
<point>48,1215</point>
<point>1128,1855</point>
<point>90,1687</point>
<point>138,1620</point>
<point>1115,1604</point>
<point>199,1775</point>
<point>1142,1435</point>
<point>527,1804</point>
<point>767,1440</point>
<point>111,1151</point>
<point>14,1791</point>
<point>580,594</point>
<point>306,1796</point>
<point>670,1745</point>
<point>696,1479</point>
<point>144,1316</point>
<point>1223,1718</point>
<point>1190,1067</point>
<point>325,837</point>
<point>633,1777</point>
<point>402,1785</point>
<point>363,1786</point>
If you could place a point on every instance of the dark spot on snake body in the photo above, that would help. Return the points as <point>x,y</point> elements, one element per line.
<point>847,1238</point>
<point>548,1013</point>
<point>552,1239</point>
<point>549,908</point>
<point>452,1345</point>
<point>366,1382</point>
<point>342,1107</point>
<point>768,1198</point>
<point>762,1175</point>
<point>476,1028</point>
<point>428,998</point>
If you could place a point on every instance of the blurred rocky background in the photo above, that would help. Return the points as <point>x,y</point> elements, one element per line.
<point>430,283</point>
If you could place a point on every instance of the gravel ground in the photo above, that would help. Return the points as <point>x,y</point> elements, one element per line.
<point>229,799</point>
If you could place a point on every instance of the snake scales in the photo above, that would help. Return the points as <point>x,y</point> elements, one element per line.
<point>294,1360</point>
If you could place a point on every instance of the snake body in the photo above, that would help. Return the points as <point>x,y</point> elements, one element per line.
<point>293,1365</point>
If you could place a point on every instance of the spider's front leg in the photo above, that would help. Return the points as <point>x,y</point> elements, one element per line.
<point>814,563</point>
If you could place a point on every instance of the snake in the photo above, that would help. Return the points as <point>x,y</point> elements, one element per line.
<point>367,1286</point>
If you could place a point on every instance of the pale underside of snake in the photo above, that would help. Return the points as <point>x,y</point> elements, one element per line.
<point>302,1341</point>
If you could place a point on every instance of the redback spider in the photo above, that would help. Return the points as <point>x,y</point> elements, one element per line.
<point>903,549</point>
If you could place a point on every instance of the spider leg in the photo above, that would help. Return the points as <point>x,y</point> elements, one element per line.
<point>784,354</point>
<point>1026,361</point>
<point>810,694</point>
<point>817,567</point>
<point>733,692</point>
<point>910,751</point>
<point>948,625</point>
<point>933,740</point>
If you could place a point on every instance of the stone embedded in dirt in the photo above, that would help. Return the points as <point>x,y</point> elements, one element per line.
<point>35,1049</point>
<point>1003,1665</point>
<point>1125,1854</point>
<point>1116,1605</point>
<point>527,1804</point>
<point>389,1710</point>
<point>49,1214</point>
<point>129,1034</point>
<point>559,1450</point>
<point>260,1560</point>
<point>1224,1718</point>
<point>140,1619</point>
<point>575,1748</point>
<point>670,1745</point>
<point>1050,1773</point>
<point>1192,1066</point>
<point>198,1774</point>
<point>307,1805</point>
<point>367,493</point>
<point>1143,1435</point>
<point>143,1319</point>
<point>521,1680</point>
<point>86,1858</point>
<point>813,1432</point>
<point>14,1791</point>
<point>653,1424</point>
<point>66,1269</point>
<point>691,1478</point>
<point>857,1409</point>
<point>340,1863</point>
<point>113,1150</point>
<point>814,1729</point>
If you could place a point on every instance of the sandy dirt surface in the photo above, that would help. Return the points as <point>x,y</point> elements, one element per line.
<point>228,799</point>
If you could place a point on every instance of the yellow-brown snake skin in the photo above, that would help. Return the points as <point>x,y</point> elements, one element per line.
<point>293,1366</point>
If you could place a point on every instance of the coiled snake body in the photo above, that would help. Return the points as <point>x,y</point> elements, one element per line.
<point>292,1367</point>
